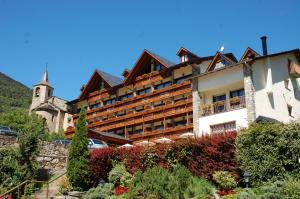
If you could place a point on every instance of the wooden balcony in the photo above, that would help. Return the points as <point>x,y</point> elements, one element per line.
<point>162,132</point>
<point>146,113</point>
<point>223,106</point>
<point>157,95</point>
<point>131,120</point>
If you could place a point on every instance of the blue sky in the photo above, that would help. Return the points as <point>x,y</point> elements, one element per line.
<point>77,36</point>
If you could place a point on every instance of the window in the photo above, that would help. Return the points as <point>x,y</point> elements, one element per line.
<point>219,103</point>
<point>237,93</point>
<point>158,67</point>
<point>162,85</point>
<point>37,92</point>
<point>181,79</point>
<point>139,109</point>
<point>93,106</point>
<point>184,58</point>
<point>49,93</point>
<point>180,123</point>
<point>144,91</point>
<point>160,127</point>
<point>126,96</point>
<point>224,127</point>
<point>110,101</point>
<point>290,110</point>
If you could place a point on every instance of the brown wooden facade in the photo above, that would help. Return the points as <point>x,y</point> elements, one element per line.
<point>159,102</point>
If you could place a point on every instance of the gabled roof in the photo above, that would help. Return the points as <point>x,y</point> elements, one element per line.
<point>110,80</point>
<point>139,63</point>
<point>184,50</point>
<point>249,53</point>
<point>229,57</point>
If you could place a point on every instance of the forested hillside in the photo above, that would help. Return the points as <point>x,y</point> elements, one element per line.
<point>13,94</point>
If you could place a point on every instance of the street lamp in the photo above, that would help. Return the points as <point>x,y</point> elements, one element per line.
<point>247,176</point>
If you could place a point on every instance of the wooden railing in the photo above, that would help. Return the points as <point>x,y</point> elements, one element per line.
<point>166,131</point>
<point>17,190</point>
<point>147,118</point>
<point>140,99</point>
<point>144,113</point>
<point>223,106</point>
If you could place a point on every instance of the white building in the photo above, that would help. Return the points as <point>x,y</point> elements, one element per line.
<point>230,94</point>
<point>54,110</point>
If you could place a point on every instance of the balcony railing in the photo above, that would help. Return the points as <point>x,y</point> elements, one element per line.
<point>223,106</point>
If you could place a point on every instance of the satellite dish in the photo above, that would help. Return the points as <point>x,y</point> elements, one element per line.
<point>222,48</point>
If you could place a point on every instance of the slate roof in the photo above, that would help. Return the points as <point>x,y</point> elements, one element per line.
<point>110,79</point>
<point>162,59</point>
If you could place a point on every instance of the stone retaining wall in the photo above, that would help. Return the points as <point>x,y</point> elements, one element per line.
<point>53,158</point>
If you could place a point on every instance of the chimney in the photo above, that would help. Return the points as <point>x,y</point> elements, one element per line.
<point>264,45</point>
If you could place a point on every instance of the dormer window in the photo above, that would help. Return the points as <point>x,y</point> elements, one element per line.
<point>184,58</point>
<point>158,67</point>
<point>37,92</point>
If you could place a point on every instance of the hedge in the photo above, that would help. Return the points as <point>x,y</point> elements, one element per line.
<point>269,151</point>
<point>202,156</point>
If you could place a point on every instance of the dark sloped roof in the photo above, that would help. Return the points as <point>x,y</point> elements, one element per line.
<point>110,79</point>
<point>231,56</point>
<point>162,59</point>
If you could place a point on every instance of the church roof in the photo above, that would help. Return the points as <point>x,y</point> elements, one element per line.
<point>44,80</point>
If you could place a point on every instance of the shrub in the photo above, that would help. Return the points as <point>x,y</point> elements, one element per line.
<point>291,188</point>
<point>199,188</point>
<point>78,159</point>
<point>225,180</point>
<point>126,180</point>
<point>102,191</point>
<point>202,156</point>
<point>101,163</point>
<point>274,147</point>
<point>246,194</point>
<point>64,185</point>
<point>117,173</point>
<point>158,182</point>
<point>212,153</point>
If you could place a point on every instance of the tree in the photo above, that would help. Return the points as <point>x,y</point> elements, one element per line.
<point>21,121</point>
<point>78,159</point>
<point>19,164</point>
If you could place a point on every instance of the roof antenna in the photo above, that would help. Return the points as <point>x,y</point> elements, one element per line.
<point>222,49</point>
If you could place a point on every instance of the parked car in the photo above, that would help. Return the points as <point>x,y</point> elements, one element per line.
<point>4,130</point>
<point>62,142</point>
<point>96,144</point>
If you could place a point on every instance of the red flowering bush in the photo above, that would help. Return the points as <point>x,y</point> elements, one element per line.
<point>120,190</point>
<point>101,163</point>
<point>202,156</point>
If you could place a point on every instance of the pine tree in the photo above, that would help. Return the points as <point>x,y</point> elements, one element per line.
<point>77,169</point>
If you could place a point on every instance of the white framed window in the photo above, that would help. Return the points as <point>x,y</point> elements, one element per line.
<point>223,127</point>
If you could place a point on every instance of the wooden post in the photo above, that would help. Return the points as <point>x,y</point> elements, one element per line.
<point>47,190</point>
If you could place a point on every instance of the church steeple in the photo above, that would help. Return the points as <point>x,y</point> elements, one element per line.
<point>41,91</point>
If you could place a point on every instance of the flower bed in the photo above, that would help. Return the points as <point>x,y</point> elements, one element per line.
<point>202,156</point>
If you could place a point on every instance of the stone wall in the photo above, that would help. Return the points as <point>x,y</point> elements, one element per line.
<point>53,158</point>
<point>7,140</point>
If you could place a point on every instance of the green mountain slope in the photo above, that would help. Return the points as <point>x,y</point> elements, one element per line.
<point>13,94</point>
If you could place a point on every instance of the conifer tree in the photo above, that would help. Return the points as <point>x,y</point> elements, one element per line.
<point>77,168</point>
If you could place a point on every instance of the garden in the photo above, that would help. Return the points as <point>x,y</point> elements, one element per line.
<point>261,161</point>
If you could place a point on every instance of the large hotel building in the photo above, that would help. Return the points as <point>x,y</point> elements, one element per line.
<point>199,95</point>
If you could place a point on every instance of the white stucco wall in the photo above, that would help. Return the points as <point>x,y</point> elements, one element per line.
<point>239,116</point>
<point>274,104</point>
<point>220,78</point>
